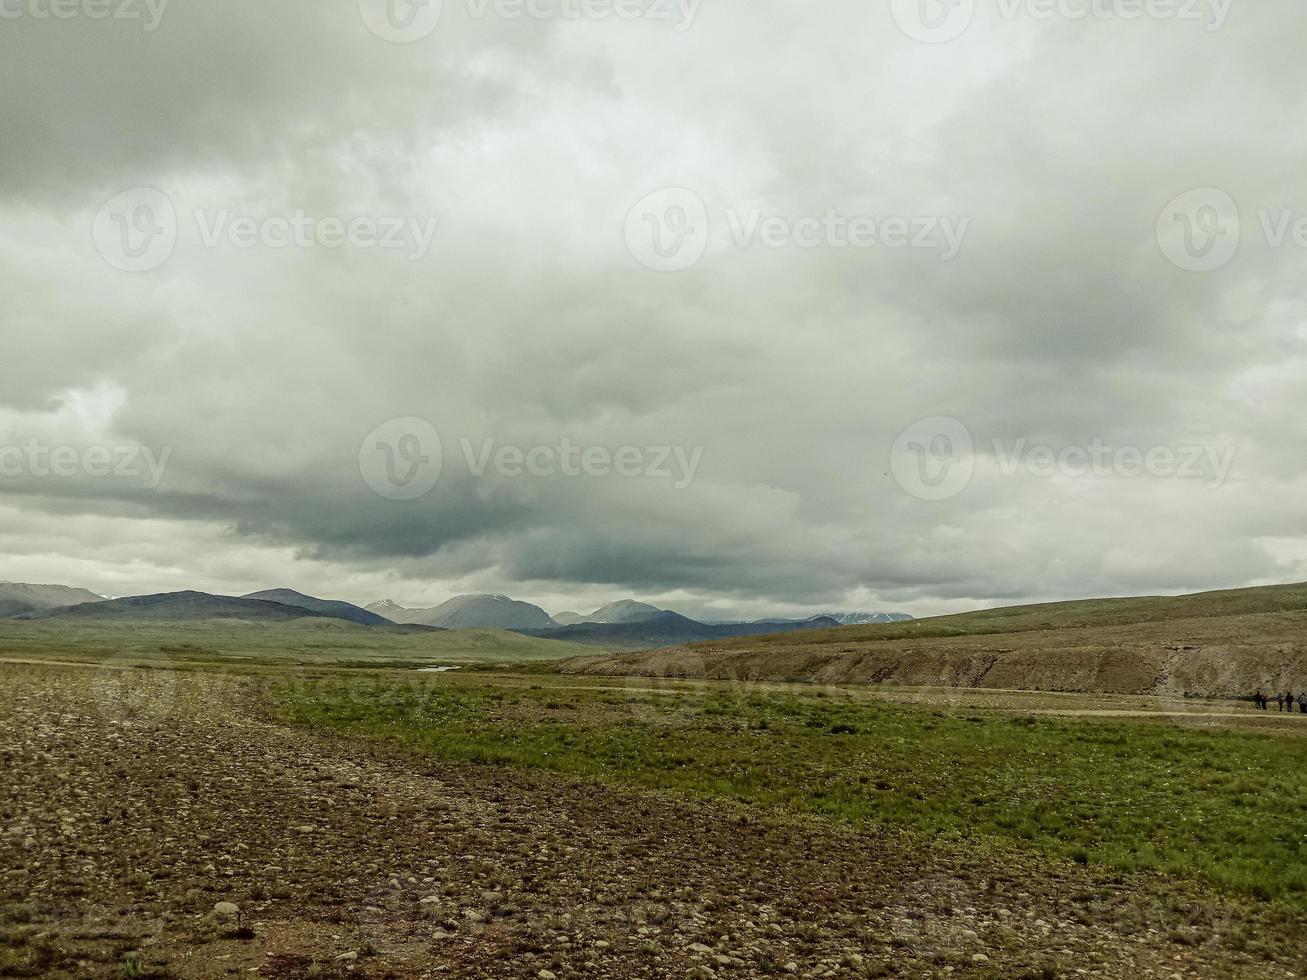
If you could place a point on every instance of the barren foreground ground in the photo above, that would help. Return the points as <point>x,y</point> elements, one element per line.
<point>133,802</point>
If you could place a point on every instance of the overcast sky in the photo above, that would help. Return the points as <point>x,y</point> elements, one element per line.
<point>743,306</point>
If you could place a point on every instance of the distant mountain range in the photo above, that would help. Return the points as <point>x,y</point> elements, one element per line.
<point>861,619</point>
<point>273,606</point>
<point>501,612</point>
<point>847,619</point>
<point>664,629</point>
<point>621,611</point>
<point>17,598</point>
<point>329,607</point>
<point>624,624</point>
<point>470,612</point>
<point>624,611</point>
<point>181,606</point>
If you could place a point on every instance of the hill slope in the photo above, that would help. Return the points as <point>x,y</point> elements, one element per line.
<point>332,607</point>
<point>181,606</point>
<point>623,611</point>
<point>470,612</point>
<point>664,629</point>
<point>1217,643</point>
<point>393,611</point>
<point>17,598</point>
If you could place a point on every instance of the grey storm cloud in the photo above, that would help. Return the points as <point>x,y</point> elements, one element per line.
<point>793,361</point>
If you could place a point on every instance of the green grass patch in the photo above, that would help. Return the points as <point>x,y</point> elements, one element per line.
<point>327,642</point>
<point>1223,807</point>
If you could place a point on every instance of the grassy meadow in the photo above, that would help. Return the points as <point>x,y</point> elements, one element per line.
<point>310,642</point>
<point>1221,807</point>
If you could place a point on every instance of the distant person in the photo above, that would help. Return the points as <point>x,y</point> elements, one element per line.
<point>1257,700</point>
<point>1279,700</point>
<point>1302,702</point>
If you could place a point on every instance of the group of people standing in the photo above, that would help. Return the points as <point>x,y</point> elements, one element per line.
<point>1285,701</point>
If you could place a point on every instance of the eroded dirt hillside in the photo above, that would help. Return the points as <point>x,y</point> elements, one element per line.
<point>1204,657</point>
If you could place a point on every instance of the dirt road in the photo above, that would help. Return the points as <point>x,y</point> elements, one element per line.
<point>134,806</point>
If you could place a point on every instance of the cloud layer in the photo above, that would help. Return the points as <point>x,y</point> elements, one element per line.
<point>736,147</point>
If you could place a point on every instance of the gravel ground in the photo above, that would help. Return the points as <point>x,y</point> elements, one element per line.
<point>154,825</point>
